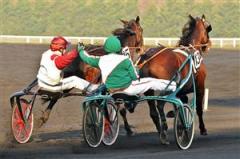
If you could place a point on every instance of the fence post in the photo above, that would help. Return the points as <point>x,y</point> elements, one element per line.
<point>206,92</point>
<point>234,43</point>
<point>221,43</point>
<point>28,40</point>
<point>169,42</point>
<point>156,42</point>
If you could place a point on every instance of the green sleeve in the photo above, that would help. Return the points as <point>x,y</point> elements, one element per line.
<point>91,60</point>
<point>132,71</point>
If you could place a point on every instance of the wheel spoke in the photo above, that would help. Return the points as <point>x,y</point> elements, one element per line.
<point>112,125</point>
<point>17,115</point>
<point>92,125</point>
<point>184,134</point>
<point>96,125</point>
<point>21,130</point>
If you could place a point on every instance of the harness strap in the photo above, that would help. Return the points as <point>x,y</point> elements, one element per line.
<point>196,64</point>
<point>145,61</point>
<point>181,52</point>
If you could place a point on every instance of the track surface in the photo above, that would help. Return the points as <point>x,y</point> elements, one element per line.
<point>61,136</point>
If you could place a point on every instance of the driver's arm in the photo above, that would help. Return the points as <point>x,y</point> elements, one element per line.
<point>62,61</point>
<point>89,59</point>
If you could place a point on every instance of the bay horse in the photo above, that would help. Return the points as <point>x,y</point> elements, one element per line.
<point>163,63</point>
<point>130,35</point>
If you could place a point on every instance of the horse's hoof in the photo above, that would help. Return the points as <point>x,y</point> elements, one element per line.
<point>130,133</point>
<point>171,114</point>
<point>37,139</point>
<point>131,106</point>
<point>203,132</point>
<point>164,138</point>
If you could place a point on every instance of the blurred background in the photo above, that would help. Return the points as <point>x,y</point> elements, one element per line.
<point>34,22</point>
<point>159,18</point>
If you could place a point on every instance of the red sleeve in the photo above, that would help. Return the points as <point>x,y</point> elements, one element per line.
<point>62,61</point>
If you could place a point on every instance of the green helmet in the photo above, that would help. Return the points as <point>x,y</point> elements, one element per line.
<point>112,45</point>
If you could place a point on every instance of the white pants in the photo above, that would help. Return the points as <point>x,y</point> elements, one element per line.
<point>68,83</point>
<point>144,84</point>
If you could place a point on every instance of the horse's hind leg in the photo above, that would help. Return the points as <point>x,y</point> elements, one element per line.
<point>154,115</point>
<point>164,127</point>
<point>123,113</point>
<point>200,87</point>
<point>153,111</point>
<point>199,100</point>
<point>45,115</point>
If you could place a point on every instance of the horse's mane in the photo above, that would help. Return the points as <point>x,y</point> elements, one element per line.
<point>118,31</point>
<point>187,32</point>
<point>121,35</point>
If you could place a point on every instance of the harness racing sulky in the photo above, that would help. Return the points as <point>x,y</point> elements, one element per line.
<point>182,65</point>
<point>22,102</point>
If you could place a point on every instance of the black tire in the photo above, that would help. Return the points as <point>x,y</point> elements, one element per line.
<point>184,136</point>
<point>22,131</point>
<point>111,125</point>
<point>93,127</point>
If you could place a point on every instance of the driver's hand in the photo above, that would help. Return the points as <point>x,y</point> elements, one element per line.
<point>80,47</point>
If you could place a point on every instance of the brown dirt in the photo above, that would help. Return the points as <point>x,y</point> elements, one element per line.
<point>18,67</point>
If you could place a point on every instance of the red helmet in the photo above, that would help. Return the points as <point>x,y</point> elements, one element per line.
<point>58,43</point>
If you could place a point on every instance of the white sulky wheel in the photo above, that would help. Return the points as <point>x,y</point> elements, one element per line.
<point>184,136</point>
<point>111,125</point>
<point>93,127</point>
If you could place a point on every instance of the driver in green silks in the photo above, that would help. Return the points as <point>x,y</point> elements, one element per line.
<point>119,73</point>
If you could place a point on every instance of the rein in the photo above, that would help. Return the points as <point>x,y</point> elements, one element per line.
<point>92,50</point>
<point>194,47</point>
<point>199,45</point>
<point>134,47</point>
<point>145,61</point>
<point>99,47</point>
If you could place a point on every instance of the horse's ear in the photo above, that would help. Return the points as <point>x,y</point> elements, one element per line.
<point>124,21</point>
<point>191,17</point>
<point>137,19</point>
<point>203,17</point>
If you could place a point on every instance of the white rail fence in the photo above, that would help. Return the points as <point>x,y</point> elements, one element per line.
<point>216,42</point>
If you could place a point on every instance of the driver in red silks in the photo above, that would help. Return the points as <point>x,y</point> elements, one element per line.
<point>54,60</point>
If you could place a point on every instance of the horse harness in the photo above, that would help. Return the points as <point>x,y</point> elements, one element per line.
<point>197,57</point>
<point>140,65</point>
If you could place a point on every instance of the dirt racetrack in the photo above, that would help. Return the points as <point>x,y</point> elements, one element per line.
<point>61,136</point>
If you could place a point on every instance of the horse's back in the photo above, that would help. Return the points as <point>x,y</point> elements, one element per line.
<point>163,64</point>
